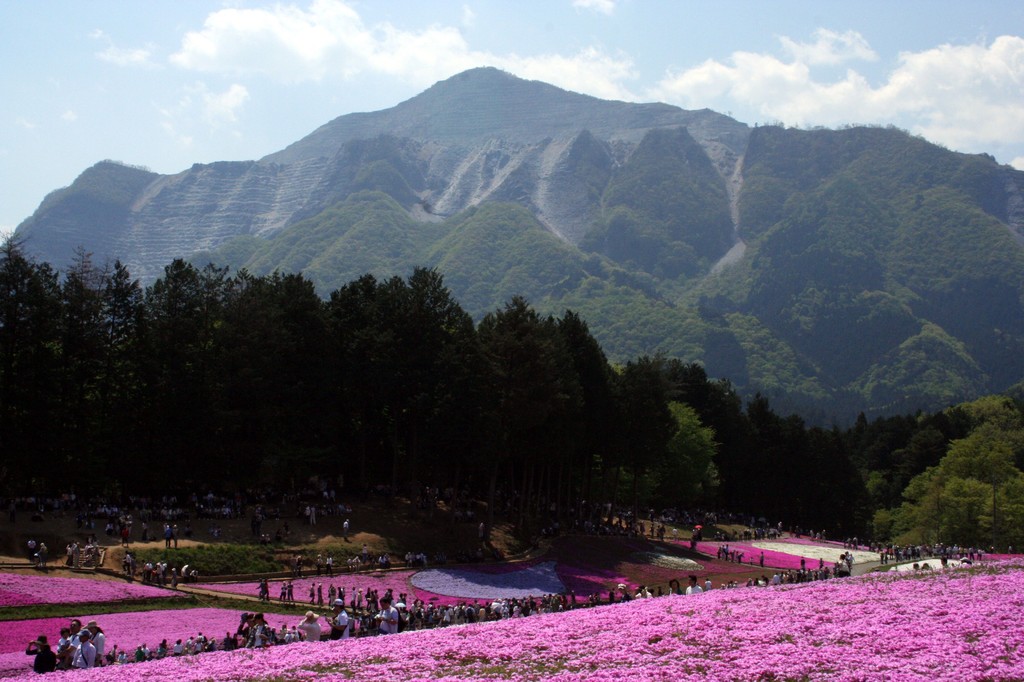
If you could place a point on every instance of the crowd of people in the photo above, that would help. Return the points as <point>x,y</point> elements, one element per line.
<point>81,647</point>
<point>360,614</point>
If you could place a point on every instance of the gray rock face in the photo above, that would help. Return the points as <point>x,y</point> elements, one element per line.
<point>479,136</point>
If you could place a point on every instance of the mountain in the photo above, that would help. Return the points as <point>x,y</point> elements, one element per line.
<point>833,270</point>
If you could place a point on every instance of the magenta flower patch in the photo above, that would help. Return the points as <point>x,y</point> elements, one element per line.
<point>24,590</point>
<point>960,624</point>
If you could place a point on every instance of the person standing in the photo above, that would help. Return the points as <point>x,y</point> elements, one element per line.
<point>339,620</point>
<point>45,660</point>
<point>387,617</point>
<point>98,639</point>
<point>259,636</point>
<point>693,587</point>
<point>309,627</point>
<point>42,555</point>
<point>85,654</point>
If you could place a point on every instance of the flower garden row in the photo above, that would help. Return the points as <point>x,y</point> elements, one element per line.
<point>916,626</point>
<point>28,590</point>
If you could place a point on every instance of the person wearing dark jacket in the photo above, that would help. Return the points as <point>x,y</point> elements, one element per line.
<point>45,660</point>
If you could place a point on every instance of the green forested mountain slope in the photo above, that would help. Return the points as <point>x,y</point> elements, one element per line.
<point>834,271</point>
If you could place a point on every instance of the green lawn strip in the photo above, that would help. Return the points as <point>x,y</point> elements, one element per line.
<point>219,559</point>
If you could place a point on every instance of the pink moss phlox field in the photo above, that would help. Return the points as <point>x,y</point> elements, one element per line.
<point>16,598</point>
<point>752,555</point>
<point>126,630</point>
<point>954,625</point>
<point>45,589</point>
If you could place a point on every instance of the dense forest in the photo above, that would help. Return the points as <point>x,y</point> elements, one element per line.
<point>206,379</point>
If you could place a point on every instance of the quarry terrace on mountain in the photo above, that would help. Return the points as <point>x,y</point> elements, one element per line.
<point>835,271</point>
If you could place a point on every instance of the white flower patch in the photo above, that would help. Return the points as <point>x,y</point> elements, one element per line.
<point>469,584</point>
<point>925,565</point>
<point>829,554</point>
<point>676,563</point>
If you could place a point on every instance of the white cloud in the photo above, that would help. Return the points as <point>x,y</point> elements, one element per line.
<point>69,116</point>
<point>830,48</point>
<point>201,112</point>
<point>125,56</point>
<point>120,56</point>
<point>602,6</point>
<point>286,43</point>
<point>291,45</point>
<point>967,97</point>
<point>468,16</point>
<point>223,107</point>
<point>25,123</point>
<point>590,71</point>
<point>1018,163</point>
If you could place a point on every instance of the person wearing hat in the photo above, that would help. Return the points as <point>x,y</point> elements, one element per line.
<point>45,660</point>
<point>309,627</point>
<point>339,620</point>
<point>387,617</point>
<point>98,639</point>
<point>85,655</point>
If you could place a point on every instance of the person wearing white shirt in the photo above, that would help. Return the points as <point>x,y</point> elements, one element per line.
<point>693,587</point>
<point>387,618</point>
<point>85,655</point>
<point>98,639</point>
<point>339,620</point>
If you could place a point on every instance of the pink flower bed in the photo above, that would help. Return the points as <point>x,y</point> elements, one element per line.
<point>126,630</point>
<point>752,555</point>
<point>882,627</point>
<point>24,590</point>
<point>15,598</point>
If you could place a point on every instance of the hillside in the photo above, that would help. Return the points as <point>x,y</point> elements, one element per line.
<point>845,629</point>
<point>835,271</point>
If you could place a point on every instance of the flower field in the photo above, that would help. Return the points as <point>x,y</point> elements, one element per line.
<point>829,553</point>
<point>25,590</point>
<point>786,554</point>
<point>126,630</point>
<point>958,625</point>
<point>447,585</point>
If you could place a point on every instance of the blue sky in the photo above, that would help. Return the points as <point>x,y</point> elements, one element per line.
<point>168,84</point>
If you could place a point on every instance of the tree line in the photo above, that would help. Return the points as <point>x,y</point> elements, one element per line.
<point>208,380</point>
